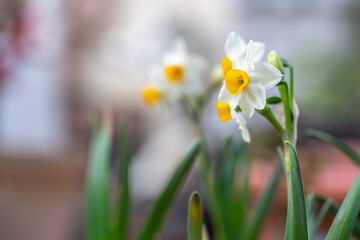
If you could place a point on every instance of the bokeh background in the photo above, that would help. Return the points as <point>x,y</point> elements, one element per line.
<point>62,60</point>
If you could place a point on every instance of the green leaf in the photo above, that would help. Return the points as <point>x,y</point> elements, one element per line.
<point>124,189</point>
<point>273,100</point>
<point>345,219</point>
<point>314,221</point>
<point>311,214</point>
<point>336,143</point>
<point>232,202</point>
<point>334,210</point>
<point>214,205</point>
<point>263,204</point>
<point>156,217</point>
<point>296,220</point>
<point>97,208</point>
<point>195,217</point>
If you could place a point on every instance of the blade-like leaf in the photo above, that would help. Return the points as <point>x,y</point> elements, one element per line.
<point>232,202</point>
<point>156,217</point>
<point>97,192</point>
<point>195,217</point>
<point>215,210</point>
<point>124,198</point>
<point>310,213</point>
<point>314,221</point>
<point>296,220</point>
<point>345,219</point>
<point>354,156</point>
<point>263,204</point>
<point>334,209</point>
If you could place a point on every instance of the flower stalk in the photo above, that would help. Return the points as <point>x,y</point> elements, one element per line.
<point>268,114</point>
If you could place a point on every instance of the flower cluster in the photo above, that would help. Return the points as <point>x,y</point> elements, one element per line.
<point>245,81</point>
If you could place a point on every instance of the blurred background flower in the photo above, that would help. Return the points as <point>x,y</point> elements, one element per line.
<point>61,60</point>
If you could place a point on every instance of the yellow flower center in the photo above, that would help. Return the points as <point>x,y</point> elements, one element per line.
<point>236,80</point>
<point>223,111</point>
<point>226,65</point>
<point>151,95</point>
<point>174,73</point>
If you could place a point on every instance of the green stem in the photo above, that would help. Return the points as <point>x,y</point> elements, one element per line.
<point>286,63</point>
<point>284,93</point>
<point>268,114</point>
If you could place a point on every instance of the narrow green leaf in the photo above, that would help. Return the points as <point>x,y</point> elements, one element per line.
<point>296,220</point>
<point>215,210</point>
<point>124,189</point>
<point>345,219</point>
<point>336,143</point>
<point>232,202</point>
<point>334,210</point>
<point>263,204</point>
<point>156,217</point>
<point>195,217</point>
<point>97,191</point>
<point>314,221</point>
<point>321,216</point>
<point>273,100</point>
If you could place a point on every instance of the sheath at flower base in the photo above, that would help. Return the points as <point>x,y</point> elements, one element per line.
<point>246,83</point>
<point>280,116</point>
<point>181,73</point>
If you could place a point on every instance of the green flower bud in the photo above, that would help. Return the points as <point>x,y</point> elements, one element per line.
<point>274,60</point>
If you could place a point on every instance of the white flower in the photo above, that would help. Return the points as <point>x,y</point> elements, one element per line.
<point>180,74</point>
<point>245,83</point>
<point>228,111</point>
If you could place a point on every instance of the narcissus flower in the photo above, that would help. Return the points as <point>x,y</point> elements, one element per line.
<point>229,111</point>
<point>180,74</point>
<point>245,83</point>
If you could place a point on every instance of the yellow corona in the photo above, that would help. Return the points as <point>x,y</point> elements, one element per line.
<point>236,80</point>
<point>174,73</point>
<point>223,111</point>
<point>151,95</point>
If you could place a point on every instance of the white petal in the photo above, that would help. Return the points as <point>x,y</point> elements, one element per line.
<point>224,95</point>
<point>177,52</point>
<point>234,45</point>
<point>244,61</point>
<point>197,63</point>
<point>242,126</point>
<point>265,74</point>
<point>247,109</point>
<point>255,95</point>
<point>155,75</point>
<point>258,51</point>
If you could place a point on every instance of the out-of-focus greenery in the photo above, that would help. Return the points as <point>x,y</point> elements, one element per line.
<point>329,82</point>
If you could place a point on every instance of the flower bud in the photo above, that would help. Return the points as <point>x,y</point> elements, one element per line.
<point>274,60</point>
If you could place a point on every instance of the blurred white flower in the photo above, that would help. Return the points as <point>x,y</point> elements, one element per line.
<point>245,83</point>
<point>229,111</point>
<point>181,73</point>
